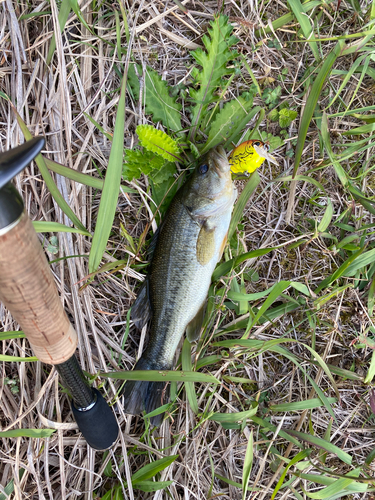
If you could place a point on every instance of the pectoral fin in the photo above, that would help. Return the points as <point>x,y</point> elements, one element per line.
<point>205,245</point>
<point>141,309</point>
<point>193,329</point>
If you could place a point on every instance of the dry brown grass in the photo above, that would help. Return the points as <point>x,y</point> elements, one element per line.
<point>54,100</point>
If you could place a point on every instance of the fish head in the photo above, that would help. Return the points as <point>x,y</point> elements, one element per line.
<point>211,190</point>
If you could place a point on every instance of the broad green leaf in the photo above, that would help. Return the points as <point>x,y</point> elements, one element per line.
<point>55,227</point>
<point>187,367</point>
<point>234,115</point>
<point>327,217</point>
<point>161,376</point>
<point>151,469</point>
<point>108,202</point>
<point>313,99</point>
<point>247,465</point>
<point>214,67</point>
<point>31,433</point>
<point>9,488</point>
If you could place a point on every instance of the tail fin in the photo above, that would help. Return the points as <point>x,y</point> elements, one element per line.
<point>139,395</point>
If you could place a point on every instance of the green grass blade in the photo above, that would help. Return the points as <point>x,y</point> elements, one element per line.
<point>225,267</point>
<point>150,486</point>
<point>339,272</point>
<point>39,160</point>
<point>298,458</point>
<point>31,433</point>
<point>247,465</point>
<point>233,418</point>
<point>371,371</point>
<point>277,289</point>
<point>309,404</point>
<point>187,366</point>
<point>12,335</point>
<point>161,376</point>
<point>56,227</point>
<point>85,179</point>
<point>62,18</point>
<point>248,190</point>
<point>313,99</point>
<point>108,202</point>
<point>321,443</point>
<point>288,18</point>
<point>305,24</point>
<point>16,359</point>
<point>324,130</point>
<point>360,262</point>
<point>338,486</point>
<point>153,468</point>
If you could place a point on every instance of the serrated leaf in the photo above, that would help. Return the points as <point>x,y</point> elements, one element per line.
<point>163,175</point>
<point>214,64</point>
<point>226,121</point>
<point>286,116</point>
<point>273,115</point>
<point>157,100</point>
<point>138,163</point>
<point>158,142</point>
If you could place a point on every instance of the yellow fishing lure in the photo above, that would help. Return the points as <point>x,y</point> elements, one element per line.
<point>249,155</point>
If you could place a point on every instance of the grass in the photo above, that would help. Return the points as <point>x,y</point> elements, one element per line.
<point>275,400</point>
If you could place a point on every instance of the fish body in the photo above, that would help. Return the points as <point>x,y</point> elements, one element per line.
<point>191,241</point>
<point>249,155</point>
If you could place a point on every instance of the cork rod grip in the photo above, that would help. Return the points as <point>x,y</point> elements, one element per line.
<point>28,290</point>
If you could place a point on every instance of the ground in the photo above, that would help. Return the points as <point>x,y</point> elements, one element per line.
<point>302,370</point>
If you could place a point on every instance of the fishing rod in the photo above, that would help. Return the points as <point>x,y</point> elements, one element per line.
<point>28,291</point>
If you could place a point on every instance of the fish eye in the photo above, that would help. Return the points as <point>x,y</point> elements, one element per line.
<point>258,143</point>
<point>203,168</point>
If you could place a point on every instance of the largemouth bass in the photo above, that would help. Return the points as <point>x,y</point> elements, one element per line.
<point>190,242</point>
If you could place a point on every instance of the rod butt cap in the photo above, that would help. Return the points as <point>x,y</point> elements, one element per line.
<point>98,424</point>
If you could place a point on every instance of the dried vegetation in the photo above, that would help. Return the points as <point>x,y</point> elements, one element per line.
<point>72,101</point>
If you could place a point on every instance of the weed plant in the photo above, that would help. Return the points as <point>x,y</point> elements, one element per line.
<point>275,400</point>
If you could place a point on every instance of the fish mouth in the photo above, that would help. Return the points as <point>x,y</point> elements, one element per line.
<point>220,160</point>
